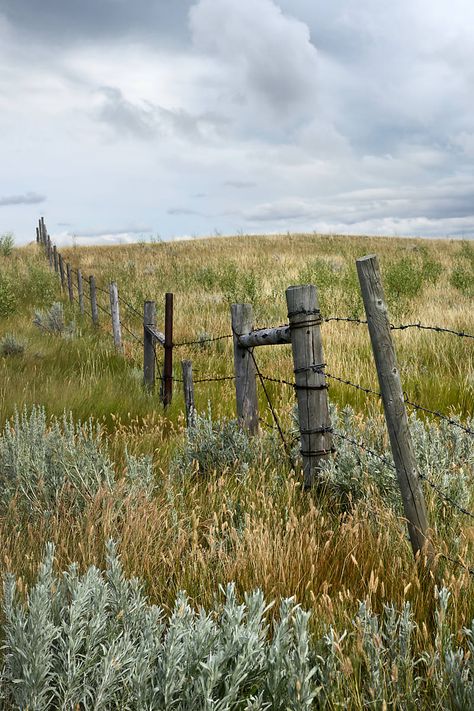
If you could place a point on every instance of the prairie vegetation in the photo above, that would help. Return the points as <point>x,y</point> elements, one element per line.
<point>196,513</point>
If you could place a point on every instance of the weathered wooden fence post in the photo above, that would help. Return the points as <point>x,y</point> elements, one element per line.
<point>69,283</point>
<point>168,364</point>
<point>188,388</point>
<point>115,312</point>
<point>394,405</point>
<point>149,319</point>
<point>304,318</point>
<point>244,368</point>
<point>42,228</point>
<point>61,270</point>
<point>50,252</point>
<point>93,296</point>
<point>80,291</point>
<point>55,258</point>
<point>37,235</point>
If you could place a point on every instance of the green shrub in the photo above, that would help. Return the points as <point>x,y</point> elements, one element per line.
<point>321,273</point>
<point>431,270</point>
<point>93,641</point>
<point>462,278</point>
<point>8,298</point>
<point>239,285</point>
<point>41,285</point>
<point>403,279</point>
<point>40,461</point>
<point>207,278</point>
<point>7,242</point>
<point>11,346</point>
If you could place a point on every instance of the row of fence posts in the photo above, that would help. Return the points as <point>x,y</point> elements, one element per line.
<point>303,332</point>
<point>151,335</point>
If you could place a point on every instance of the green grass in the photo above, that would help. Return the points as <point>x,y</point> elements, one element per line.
<point>200,531</point>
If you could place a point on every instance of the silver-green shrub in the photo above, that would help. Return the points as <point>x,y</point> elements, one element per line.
<point>93,641</point>
<point>218,445</point>
<point>52,320</point>
<point>7,242</point>
<point>10,345</point>
<point>41,460</point>
<point>444,454</point>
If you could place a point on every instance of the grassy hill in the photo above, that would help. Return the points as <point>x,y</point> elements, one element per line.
<point>240,515</point>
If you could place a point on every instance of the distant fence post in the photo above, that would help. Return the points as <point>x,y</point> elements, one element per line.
<point>61,270</point>
<point>115,311</point>
<point>37,235</point>
<point>168,364</point>
<point>304,318</point>
<point>69,283</point>
<point>149,319</point>
<point>188,388</point>
<point>394,404</point>
<point>42,231</point>
<point>55,258</point>
<point>93,295</point>
<point>49,250</point>
<point>244,368</point>
<point>80,291</point>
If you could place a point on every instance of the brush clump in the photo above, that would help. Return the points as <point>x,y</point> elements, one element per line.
<point>92,640</point>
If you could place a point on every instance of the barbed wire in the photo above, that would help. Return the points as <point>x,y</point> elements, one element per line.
<point>446,497</point>
<point>201,341</point>
<point>130,306</point>
<point>439,415</point>
<point>403,326</point>
<point>207,379</point>
<point>102,308</point>
<point>272,409</point>
<point>437,329</point>
<point>131,333</point>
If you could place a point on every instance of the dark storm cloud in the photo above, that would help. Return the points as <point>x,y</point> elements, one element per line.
<point>126,117</point>
<point>65,21</point>
<point>26,199</point>
<point>146,120</point>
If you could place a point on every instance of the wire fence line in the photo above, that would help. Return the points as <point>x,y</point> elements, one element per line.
<point>316,368</point>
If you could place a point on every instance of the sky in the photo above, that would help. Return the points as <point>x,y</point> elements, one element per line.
<point>124,121</point>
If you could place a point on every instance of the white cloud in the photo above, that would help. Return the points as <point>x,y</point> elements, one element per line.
<point>269,55</point>
<point>273,115</point>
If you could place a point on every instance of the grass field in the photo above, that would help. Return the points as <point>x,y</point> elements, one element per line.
<point>248,521</point>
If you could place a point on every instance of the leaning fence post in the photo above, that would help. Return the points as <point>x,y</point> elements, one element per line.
<point>168,364</point>
<point>55,258</point>
<point>304,319</point>
<point>188,388</point>
<point>50,251</point>
<point>244,368</point>
<point>61,270</point>
<point>93,295</point>
<point>69,283</point>
<point>149,319</point>
<point>80,290</point>
<point>115,312</point>
<point>394,404</point>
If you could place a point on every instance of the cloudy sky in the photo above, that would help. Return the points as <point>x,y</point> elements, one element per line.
<point>121,120</point>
